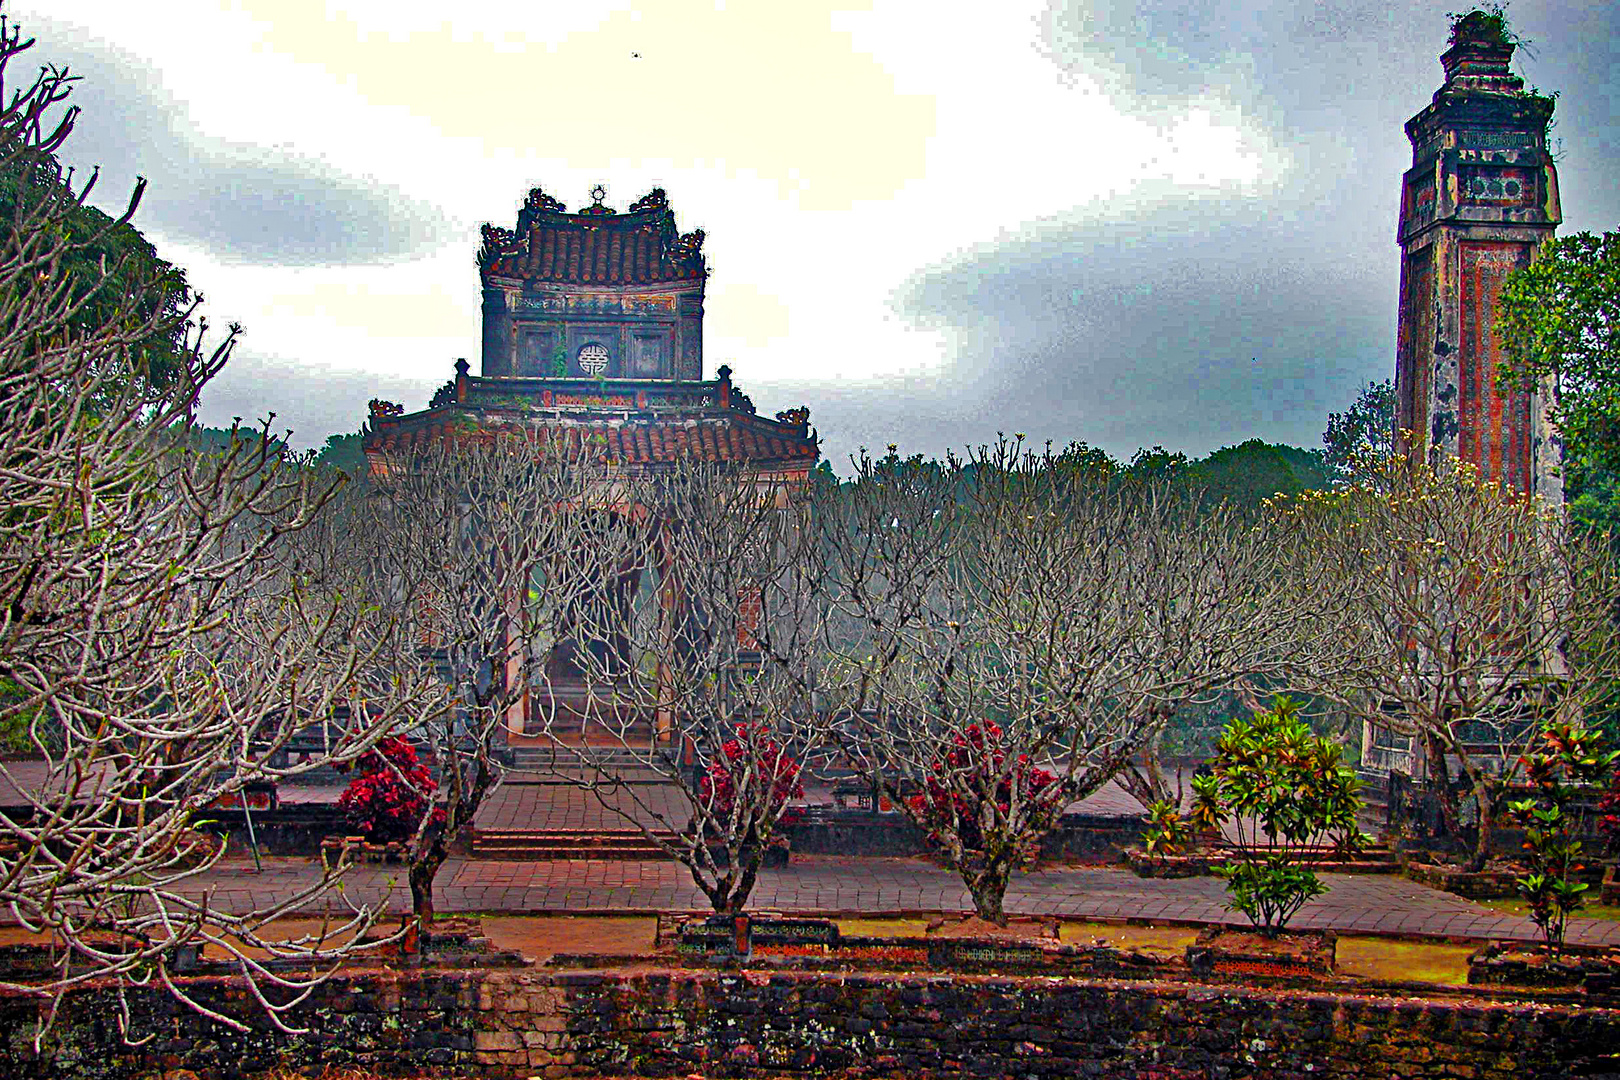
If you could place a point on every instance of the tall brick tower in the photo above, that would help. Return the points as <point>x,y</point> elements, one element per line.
<point>1480,199</point>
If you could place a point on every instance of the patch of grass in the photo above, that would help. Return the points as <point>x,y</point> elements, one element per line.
<point>1437,962</point>
<point>1513,905</point>
<point>1159,940</point>
<point>884,927</point>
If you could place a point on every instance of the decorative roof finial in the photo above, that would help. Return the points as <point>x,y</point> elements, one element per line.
<point>598,193</point>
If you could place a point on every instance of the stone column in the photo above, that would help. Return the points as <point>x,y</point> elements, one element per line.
<point>1479,201</point>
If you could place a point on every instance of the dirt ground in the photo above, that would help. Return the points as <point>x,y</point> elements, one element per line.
<point>539,937</point>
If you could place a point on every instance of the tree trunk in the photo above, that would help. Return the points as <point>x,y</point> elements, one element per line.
<point>1485,801</point>
<point>988,888</point>
<point>1145,782</point>
<point>745,880</point>
<point>424,868</point>
<point>1440,783</point>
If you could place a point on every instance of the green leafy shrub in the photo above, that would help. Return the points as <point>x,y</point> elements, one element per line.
<point>1567,758</point>
<point>1167,832</point>
<point>1287,797</point>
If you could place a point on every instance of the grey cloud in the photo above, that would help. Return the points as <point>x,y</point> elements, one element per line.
<point>310,401</point>
<point>1330,79</point>
<point>1191,327</point>
<point>1196,320</point>
<point>242,203</point>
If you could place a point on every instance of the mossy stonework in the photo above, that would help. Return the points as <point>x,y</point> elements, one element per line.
<point>503,1025</point>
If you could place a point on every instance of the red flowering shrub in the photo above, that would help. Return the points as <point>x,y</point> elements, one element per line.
<point>382,805</point>
<point>973,771</point>
<point>752,748</point>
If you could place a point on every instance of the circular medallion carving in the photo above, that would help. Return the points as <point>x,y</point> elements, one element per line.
<point>593,358</point>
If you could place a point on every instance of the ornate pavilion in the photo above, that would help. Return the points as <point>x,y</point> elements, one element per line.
<point>593,328</point>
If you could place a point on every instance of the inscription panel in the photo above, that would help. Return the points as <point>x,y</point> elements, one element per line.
<point>1476,139</point>
<point>1419,203</point>
<point>598,304</point>
<point>1493,422</point>
<point>537,351</point>
<point>647,355</point>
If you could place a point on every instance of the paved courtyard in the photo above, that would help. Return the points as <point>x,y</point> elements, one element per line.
<point>849,885</point>
<point>550,807</point>
<point>825,884</point>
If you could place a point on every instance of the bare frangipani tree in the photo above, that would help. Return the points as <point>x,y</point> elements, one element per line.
<point>1471,614</point>
<point>155,653</point>
<point>1008,636</point>
<point>483,540</point>
<point>708,682</point>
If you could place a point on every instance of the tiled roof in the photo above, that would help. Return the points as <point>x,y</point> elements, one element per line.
<point>654,442</point>
<point>597,246</point>
<point>719,435</point>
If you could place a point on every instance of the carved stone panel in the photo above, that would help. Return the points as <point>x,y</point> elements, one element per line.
<point>1496,185</point>
<point>599,339</point>
<point>648,355</point>
<point>1414,341</point>
<point>538,350</point>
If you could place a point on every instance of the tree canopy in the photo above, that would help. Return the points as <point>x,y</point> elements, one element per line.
<point>1368,424</point>
<point>1559,320</point>
<point>113,274</point>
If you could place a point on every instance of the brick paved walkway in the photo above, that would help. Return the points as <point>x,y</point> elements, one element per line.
<point>1377,904</point>
<point>563,808</point>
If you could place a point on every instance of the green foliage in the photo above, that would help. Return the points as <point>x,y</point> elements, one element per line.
<point>135,287</point>
<point>1243,476</point>
<point>1249,473</point>
<point>559,362</point>
<point>1568,757</point>
<point>342,452</point>
<point>1281,788</point>
<point>1560,317</point>
<point>1488,23</point>
<point>1368,424</point>
<point>1167,832</point>
<point>15,722</point>
<point>213,440</point>
<point>1592,494</point>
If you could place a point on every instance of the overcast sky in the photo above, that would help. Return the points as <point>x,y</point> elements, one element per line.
<point>1131,224</point>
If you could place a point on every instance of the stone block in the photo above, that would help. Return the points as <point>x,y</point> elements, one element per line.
<point>497,1040</point>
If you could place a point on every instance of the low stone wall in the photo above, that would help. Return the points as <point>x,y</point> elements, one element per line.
<point>504,1025</point>
<point>289,829</point>
<point>830,831</point>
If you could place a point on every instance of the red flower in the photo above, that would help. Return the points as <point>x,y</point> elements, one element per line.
<point>753,758</point>
<point>972,776</point>
<point>382,807</point>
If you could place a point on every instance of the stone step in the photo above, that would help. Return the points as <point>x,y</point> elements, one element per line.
<point>550,765</point>
<point>530,853</point>
<point>1377,859</point>
<point>537,846</point>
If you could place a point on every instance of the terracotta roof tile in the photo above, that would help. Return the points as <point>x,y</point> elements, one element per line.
<point>730,436</point>
<point>597,247</point>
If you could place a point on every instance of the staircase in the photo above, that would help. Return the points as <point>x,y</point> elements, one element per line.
<point>1375,859</point>
<point>526,845</point>
<point>536,763</point>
